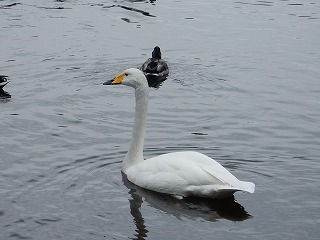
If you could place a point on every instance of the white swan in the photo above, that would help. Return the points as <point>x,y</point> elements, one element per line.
<point>180,174</point>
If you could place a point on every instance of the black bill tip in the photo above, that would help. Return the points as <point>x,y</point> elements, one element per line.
<point>109,82</point>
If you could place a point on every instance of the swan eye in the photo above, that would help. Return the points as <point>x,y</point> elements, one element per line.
<point>126,74</point>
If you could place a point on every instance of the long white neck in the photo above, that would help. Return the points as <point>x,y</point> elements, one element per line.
<point>135,153</point>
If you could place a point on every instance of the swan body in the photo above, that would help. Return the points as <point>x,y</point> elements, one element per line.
<point>181,174</point>
<point>155,69</point>
<point>184,174</point>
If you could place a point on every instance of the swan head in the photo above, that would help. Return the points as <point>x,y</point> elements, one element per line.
<point>132,77</point>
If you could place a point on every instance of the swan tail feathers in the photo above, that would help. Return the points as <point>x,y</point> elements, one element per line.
<point>247,187</point>
<point>219,191</point>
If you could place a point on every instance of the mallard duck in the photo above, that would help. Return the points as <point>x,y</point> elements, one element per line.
<point>155,69</point>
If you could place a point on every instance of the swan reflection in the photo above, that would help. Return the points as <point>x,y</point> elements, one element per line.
<point>192,208</point>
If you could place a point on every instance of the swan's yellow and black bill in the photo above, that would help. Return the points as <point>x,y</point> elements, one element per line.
<point>117,80</point>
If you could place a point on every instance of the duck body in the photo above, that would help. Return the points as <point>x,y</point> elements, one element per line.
<point>155,69</point>
<point>181,174</point>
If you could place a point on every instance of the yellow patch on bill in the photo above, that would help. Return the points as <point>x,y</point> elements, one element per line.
<point>118,79</point>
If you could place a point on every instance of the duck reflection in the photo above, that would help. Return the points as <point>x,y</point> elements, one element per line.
<point>207,209</point>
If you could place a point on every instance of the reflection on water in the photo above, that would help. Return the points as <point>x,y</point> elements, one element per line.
<point>206,209</point>
<point>9,5</point>
<point>132,9</point>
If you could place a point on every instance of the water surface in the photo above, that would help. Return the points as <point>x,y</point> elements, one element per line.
<point>243,89</point>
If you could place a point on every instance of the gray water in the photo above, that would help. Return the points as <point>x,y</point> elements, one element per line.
<point>243,89</point>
